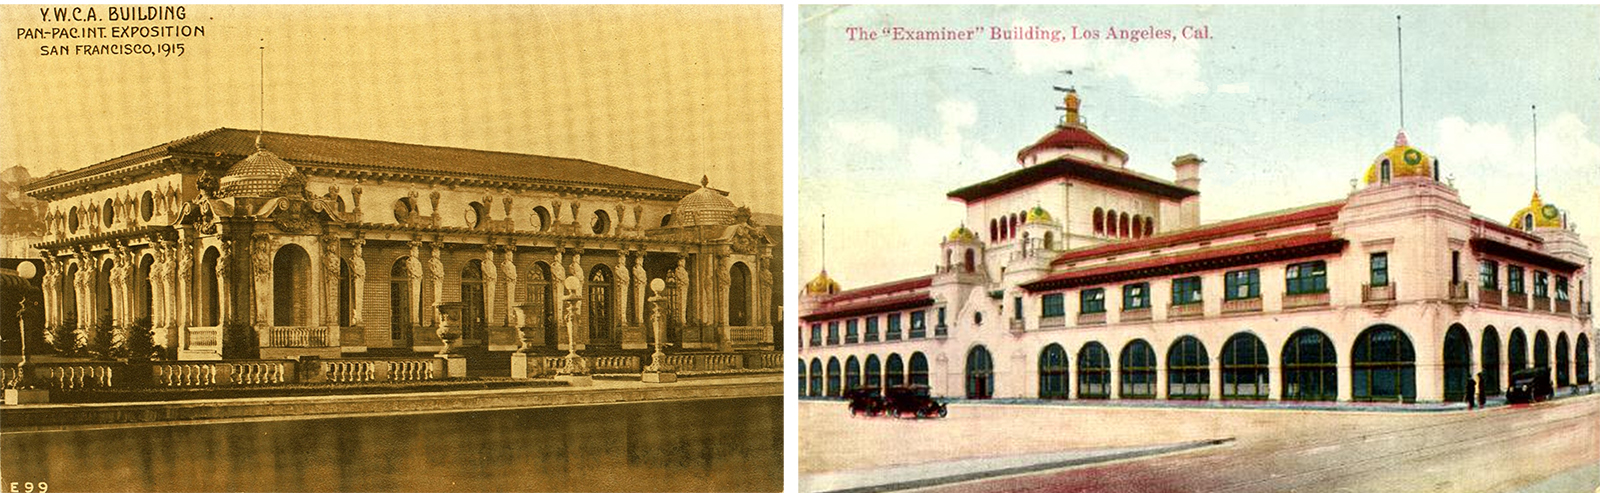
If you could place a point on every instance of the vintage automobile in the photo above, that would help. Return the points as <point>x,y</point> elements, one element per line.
<point>1530,385</point>
<point>909,401</point>
<point>865,402</point>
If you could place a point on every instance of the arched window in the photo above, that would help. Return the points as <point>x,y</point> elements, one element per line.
<point>1385,170</point>
<point>816,378</point>
<point>108,213</point>
<point>1581,355</point>
<point>1137,367</point>
<point>600,292</point>
<point>211,303</point>
<point>472,300</point>
<point>874,373</point>
<point>600,224</point>
<point>833,377</point>
<point>894,371</point>
<point>980,373</point>
<point>72,220</point>
<point>852,373</point>
<point>1310,367</point>
<point>1244,368</point>
<point>1049,240</point>
<point>1541,350</point>
<point>1491,361</point>
<point>1099,221</point>
<point>102,291</point>
<point>1053,372</point>
<point>739,295</point>
<point>1517,351</point>
<point>400,302</point>
<point>477,216</point>
<point>994,230</point>
<point>347,293</point>
<point>1563,361</point>
<point>1122,226</point>
<point>972,260</point>
<point>666,220</point>
<point>1016,224</point>
<point>540,292</point>
<point>1149,226</point>
<point>802,380</point>
<point>918,374</point>
<point>142,288</point>
<point>1457,359</point>
<point>291,287</point>
<point>1383,366</point>
<point>1111,222</point>
<point>1094,372</point>
<point>1138,227</point>
<point>1188,370</point>
<point>403,209</point>
<point>147,206</point>
<point>541,219</point>
<point>1527,222</point>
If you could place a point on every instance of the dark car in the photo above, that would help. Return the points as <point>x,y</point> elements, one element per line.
<point>903,402</point>
<point>867,402</point>
<point>1530,385</point>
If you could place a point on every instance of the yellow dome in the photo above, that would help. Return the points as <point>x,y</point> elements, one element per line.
<point>962,234</point>
<point>1403,160</point>
<point>821,285</point>
<point>1039,215</point>
<point>1537,215</point>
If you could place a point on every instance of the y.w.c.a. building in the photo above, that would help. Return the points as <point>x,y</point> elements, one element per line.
<point>1082,279</point>
<point>282,245</point>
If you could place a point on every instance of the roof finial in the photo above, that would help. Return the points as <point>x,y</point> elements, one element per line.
<point>824,242</point>
<point>1070,104</point>
<point>1400,74</point>
<point>705,181</point>
<point>261,123</point>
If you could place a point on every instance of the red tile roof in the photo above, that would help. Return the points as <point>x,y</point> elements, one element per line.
<point>1264,222</point>
<point>1064,137</point>
<point>1484,222</point>
<point>894,303</point>
<point>342,152</point>
<point>1513,252</point>
<point>1320,242</point>
<point>881,289</point>
<point>1067,166</point>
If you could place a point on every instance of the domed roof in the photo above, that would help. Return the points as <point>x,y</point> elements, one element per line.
<point>1039,215</point>
<point>1537,215</point>
<point>821,285</point>
<point>704,207</point>
<point>1403,160</point>
<point>961,233</point>
<point>261,174</point>
<point>1071,133</point>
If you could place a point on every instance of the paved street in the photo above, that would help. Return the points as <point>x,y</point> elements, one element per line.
<point>1500,449</point>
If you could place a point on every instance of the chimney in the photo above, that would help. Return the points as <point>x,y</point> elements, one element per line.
<point>1186,169</point>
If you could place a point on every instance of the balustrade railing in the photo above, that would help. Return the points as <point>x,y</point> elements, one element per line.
<point>410,370</point>
<point>257,372</point>
<point>74,376</point>
<point>348,371</point>
<point>1490,297</point>
<point>281,337</point>
<point>184,374</point>
<point>1563,306</point>
<point>10,376</point>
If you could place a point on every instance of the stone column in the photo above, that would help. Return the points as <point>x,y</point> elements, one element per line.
<point>185,282</point>
<point>1114,384</point>
<point>623,278</point>
<point>48,282</point>
<point>1274,379</point>
<point>1343,372</point>
<point>436,271</point>
<point>1214,386</point>
<point>491,279</point>
<point>158,284</point>
<point>224,288</point>
<point>639,278</point>
<point>763,314</point>
<point>358,272</point>
<point>330,281</point>
<point>681,275</point>
<point>508,269</point>
<point>1163,381</point>
<point>414,269</point>
<point>576,269</point>
<point>263,281</point>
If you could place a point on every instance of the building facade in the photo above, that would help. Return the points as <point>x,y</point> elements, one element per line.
<point>264,244</point>
<point>1082,279</point>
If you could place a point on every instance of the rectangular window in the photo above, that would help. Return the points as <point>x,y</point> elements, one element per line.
<point>1514,280</point>
<point>1380,269</point>
<point>1092,300</point>
<point>941,317</point>
<point>833,332</point>
<point>1242,284</point>
<point>894,328</point>
<point>1561,288</point>
<point>851,333</point>
<point>919,324</point>
<point>1136,296</point>
<point>1053,305</point>
<point>1016,305</point>
<point>1489,275</point>
<point>1307,277</point>
<point>1455,266</point>
<point>1541,284</point>
<point>816,334</point>
<point>1186,290</point>
<point>872,329</point>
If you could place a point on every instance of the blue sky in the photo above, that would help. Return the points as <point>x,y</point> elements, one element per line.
<point>1286,104</point>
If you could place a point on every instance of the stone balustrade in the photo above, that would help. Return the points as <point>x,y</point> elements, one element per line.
<point>411,370</point>
<point>284,337</point>
<point>72,376</point>
<point>348,371</point>
<point>184,374</point>
<point>259,372</point>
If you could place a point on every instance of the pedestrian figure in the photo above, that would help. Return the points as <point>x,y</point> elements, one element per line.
<point>1483,390</point>
<point>1472,387</point>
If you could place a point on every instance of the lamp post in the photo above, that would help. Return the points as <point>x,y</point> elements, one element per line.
<point>26,392</point>
<point>576,370</point>
<point>658,371</point>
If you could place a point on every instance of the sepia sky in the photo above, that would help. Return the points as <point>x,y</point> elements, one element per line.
<point>675,91</point>
<point>1286,104</point>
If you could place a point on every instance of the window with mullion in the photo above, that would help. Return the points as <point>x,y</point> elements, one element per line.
<point>1514,280</point>
<point>872,329</point>
<point>1380,269</point>
<point>1307,277</point>
<point>851,331</point>
<point>816,334</point>
<point>1136,296</point>
<point>1053,305</point>
<point>1489,275</point>
<point>1242,284</point>
<point>1186,290</point>
<point>894,328</point>
<point>1561,288</point>
<point>1092,300</point>
<point>919,324</point>
<point>1541,284</point>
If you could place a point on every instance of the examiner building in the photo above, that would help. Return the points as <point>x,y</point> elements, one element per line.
<point>1075,277</point>
<point>275,245</point>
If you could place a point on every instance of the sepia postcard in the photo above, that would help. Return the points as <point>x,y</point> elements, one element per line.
<point>1207,249</point>
<point>391,248</point>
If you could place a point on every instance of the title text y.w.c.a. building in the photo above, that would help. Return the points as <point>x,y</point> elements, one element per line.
<point>326,246</point>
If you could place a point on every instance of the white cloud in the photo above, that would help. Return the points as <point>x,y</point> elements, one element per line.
<point>1165,71</point>
<point>1236,88</point>
<point>1499,162</point>
<point>873,135</point>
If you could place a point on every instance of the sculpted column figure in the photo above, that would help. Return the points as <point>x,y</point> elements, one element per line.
<point>575,269</point>
<point>414,268</point>
<point>224,286</point>
<point>558,272</point>
<point>46,282</point>
<point>358,276</point>
<point>263,280</point>
<point>185,282</point>
<point>723,284</point>
<point>124,283</point>
<point>508,269</point>
<point>158,286</point>
<point>436,271</point>
<point>681,274</point>
<point>555,217</point>
<point>330,281</point>
<point>491,278</point>
<point>621,308</point>
<point>764,295</point>
<point>169,283</point>
<point>638,286</point>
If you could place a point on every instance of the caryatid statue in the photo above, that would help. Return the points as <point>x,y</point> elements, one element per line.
<point>436,271</point>
<point>358,273</point>
<point>508,268</point>
<point>491,278</point>
<point>681,275</point>
<point>622,285</point>
<point>558,272</point>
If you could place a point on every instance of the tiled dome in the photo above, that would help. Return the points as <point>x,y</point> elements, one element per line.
<point>1039,215</point>
<point>962,234</point>
<point>1403,160</point>
<point>1537,215</point>
<point>704,207</point>
<point>822,285</point>
<point>261,174</point>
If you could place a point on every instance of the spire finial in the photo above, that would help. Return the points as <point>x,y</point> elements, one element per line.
<point>261,84</point>
<point>705,181</point>
<point>1400,74</point>
<point>1535,150</point>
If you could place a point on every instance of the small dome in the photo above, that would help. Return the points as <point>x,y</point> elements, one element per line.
<point>704,207</point>
<point>821,285</point>
<point>1537,215</point>
<point>1039,215</point>
<point>261,174</point>
<point>962,234</point>
<point>1404,161</point>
